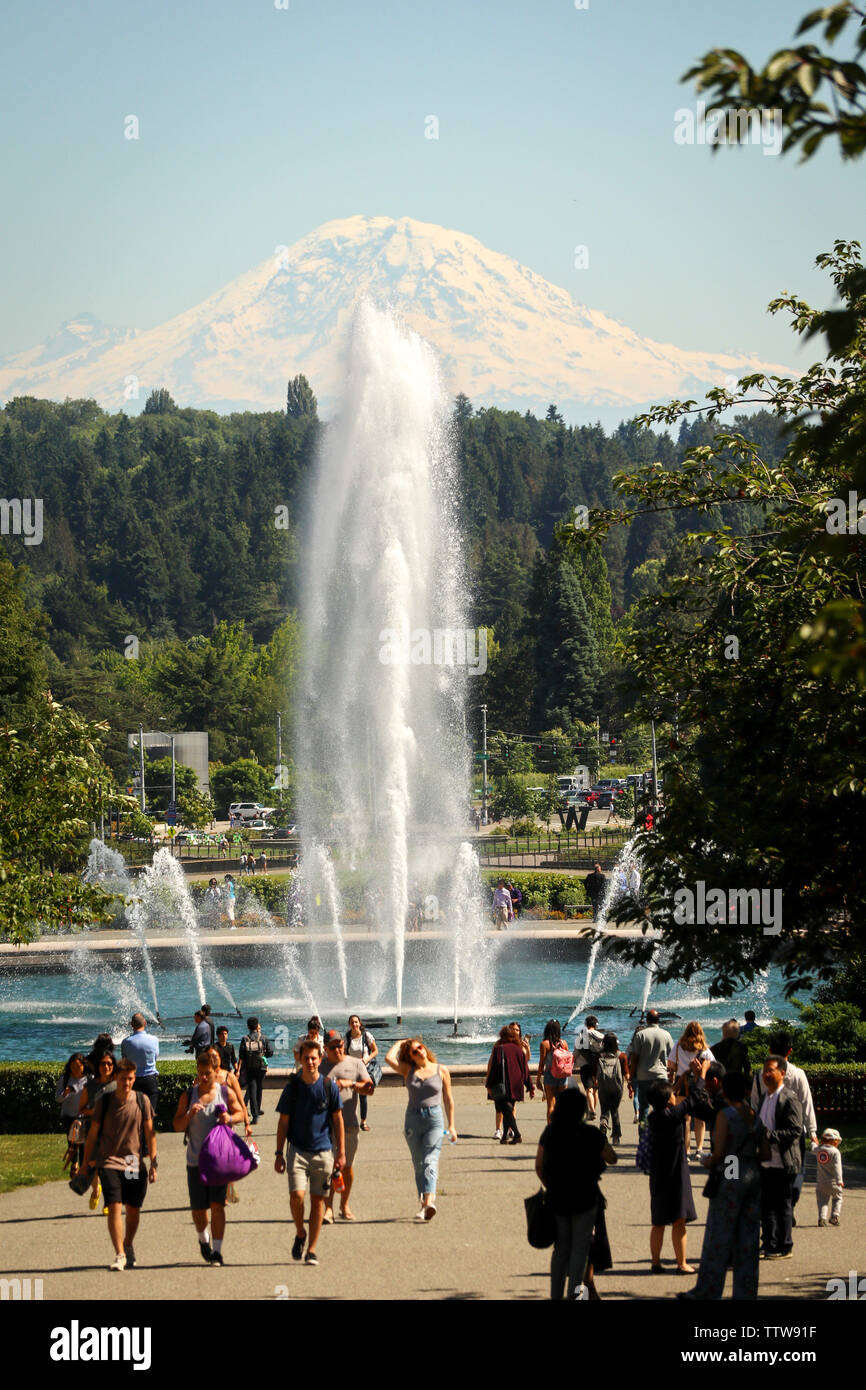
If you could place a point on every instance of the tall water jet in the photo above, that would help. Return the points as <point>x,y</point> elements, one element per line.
<point>381,736</point>
<point>320,867</point>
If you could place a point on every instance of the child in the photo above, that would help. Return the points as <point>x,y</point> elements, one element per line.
<point>828,1182</point>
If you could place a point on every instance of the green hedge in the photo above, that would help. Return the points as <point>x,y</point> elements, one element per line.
<point>27,1104</point>
<point>551,891</point>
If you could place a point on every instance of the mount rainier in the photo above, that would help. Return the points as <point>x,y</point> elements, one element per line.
<point>505,336</point>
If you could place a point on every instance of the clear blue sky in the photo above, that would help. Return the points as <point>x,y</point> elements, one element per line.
<point>257,124</point>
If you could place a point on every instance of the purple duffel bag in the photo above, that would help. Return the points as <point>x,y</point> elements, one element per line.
<point>224,1157</point>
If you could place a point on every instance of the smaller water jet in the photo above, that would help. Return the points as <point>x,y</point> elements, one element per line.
<point>108,868</point>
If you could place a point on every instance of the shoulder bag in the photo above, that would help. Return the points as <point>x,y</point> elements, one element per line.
<point>498,1090</point>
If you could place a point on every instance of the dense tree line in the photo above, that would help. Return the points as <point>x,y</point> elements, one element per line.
<point>177,538</point>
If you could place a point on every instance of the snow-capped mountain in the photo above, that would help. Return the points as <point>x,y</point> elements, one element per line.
<point>505,335</point>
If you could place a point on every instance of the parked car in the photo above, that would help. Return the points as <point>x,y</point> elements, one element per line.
<point>249,810</point>
<point>283,832</point>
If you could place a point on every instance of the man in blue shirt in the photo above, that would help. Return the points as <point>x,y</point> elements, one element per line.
<point>142,1048</point>
<point>309,1111</point>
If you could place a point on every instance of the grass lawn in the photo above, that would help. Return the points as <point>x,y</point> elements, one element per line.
<point>26,1160</point>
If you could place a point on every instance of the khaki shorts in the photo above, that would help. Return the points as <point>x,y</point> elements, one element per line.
<point>319,1167</point>
<point>352,1135</point>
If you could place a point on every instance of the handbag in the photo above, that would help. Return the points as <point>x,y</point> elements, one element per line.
<point>81,1182</point>
<point>713,1184</point>
<point>224,1157</point>
<point>374,1070</point>
<point>540,1221</point>
<point>499,1090</point>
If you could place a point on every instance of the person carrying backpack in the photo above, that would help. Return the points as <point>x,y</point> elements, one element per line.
<point>611,1077</point>
<point>587,1050</point>
<point>121,1135</point>
<point>555,1063</point>
<point>255,1048</point>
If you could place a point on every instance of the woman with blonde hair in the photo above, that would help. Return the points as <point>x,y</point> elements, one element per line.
<point>691,1047</point>
<point>429,1087</point>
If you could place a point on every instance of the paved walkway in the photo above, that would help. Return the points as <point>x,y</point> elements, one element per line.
<point>474,1249</point>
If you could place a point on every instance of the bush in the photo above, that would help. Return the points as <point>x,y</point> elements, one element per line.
<point>267,889</point>
<point>524,827</point>
<point>27,1104</point>
<point>830,1033</point>
<point>542,890</point>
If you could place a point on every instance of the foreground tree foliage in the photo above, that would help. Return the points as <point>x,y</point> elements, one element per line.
<point>756,646</point>
<point>820,94</point>
<point>52,784</point>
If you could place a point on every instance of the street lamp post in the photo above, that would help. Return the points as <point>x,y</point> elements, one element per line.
<point>484,765</point>
<point>279,777</point>
<point>141,763</point>
<point>655,768</point>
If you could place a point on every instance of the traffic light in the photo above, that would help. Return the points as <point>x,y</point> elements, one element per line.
<point>613,741</point>
<point>505,751</point>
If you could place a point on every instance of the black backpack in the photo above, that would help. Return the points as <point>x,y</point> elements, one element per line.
<point>254,1054</point>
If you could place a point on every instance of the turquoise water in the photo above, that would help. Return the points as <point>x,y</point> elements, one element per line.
<point>49,1015</point>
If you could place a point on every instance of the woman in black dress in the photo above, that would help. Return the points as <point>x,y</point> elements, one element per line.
<point>671,1201</point>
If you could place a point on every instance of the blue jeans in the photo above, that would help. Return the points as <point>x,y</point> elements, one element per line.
<point>732,1236</point>
<point>424,1133</point>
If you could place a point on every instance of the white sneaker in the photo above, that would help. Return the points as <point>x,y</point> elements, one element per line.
<point>419,1216</point>
<point>498,1134</point>
<point>119,1263</point>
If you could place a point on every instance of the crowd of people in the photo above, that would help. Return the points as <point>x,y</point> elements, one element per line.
<point>757,1124</point>
<point>108,1111</point>
<point>759,1127</point>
